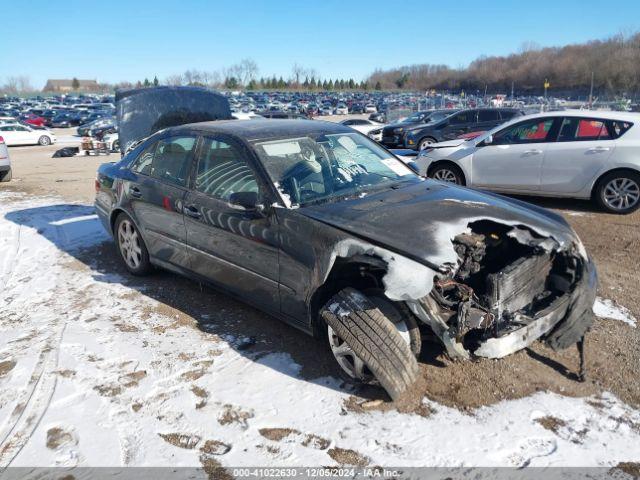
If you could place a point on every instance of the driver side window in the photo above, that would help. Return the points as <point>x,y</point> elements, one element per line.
<point>531,131</point>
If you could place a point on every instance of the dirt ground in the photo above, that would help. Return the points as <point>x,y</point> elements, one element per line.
<point>612,347</point>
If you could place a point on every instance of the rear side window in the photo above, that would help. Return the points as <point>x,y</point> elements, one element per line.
<point>142,164</point>
<point>464,117</point>
<point>507,114</point>
<point>488,116</point>
<point>618,128</point>
<point>585,129</point>
<point>167,160</point>
<point>222,170</point>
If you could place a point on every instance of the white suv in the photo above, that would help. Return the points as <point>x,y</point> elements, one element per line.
<point>576,154</point>
<point>5,162</point>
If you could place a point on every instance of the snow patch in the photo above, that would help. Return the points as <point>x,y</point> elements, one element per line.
<point>606,308</point>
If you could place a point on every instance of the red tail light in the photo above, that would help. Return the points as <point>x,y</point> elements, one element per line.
<point>97,185</point>
<point>1,140</point>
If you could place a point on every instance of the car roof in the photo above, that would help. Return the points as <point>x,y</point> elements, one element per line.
<point>262,129</point>
<point>604,114</point>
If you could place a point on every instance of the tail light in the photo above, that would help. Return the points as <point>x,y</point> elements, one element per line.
<point>97,185</point>
<point>1,140</point>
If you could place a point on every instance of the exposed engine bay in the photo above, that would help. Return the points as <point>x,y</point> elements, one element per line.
<point>509,283</point>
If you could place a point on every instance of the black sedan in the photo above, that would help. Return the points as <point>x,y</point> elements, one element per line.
<point>320,226</point>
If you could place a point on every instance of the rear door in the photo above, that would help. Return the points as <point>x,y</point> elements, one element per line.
<point>156,193</point>
<point>488,118</point>
<point>583,147</point>
<point>513,161</point>
<point>235,249</point>
<point>459,124</point>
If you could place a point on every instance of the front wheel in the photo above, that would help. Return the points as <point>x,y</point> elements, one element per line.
<point>131,246</point>
<point>447,173</point>
<point>619,192</point>
<point>44,140</point>
<point>425,142</point>
<point>367,344</point>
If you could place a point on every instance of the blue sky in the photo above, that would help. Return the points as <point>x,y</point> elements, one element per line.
<point>130,40</point>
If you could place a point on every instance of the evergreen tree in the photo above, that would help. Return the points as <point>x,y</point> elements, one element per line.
<point>378,86</point>
<point>146,83</point>
<point>156,82</point>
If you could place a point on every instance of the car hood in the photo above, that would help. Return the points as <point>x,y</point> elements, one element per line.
<point>419,221</point>
<point>144,111</point>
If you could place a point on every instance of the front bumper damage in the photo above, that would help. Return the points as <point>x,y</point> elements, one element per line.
<point>571,312</point>
<point>510,285</point>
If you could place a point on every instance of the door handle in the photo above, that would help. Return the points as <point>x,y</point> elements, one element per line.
<point>135,192</point>
<point>535,151</point>
<point>599,149</point>
<point>192,211</point>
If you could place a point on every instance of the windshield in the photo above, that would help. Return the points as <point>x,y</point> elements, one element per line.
<point>416,117</point>
<point>310,170</point>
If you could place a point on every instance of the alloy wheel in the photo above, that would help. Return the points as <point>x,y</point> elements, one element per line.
<point>445,175</point>
<point>621,193</point>
<point>129,243</point>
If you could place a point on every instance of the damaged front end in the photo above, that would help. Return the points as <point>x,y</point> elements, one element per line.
<point>509,287</point>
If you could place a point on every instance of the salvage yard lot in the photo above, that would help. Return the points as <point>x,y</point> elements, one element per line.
<point>100,368</point>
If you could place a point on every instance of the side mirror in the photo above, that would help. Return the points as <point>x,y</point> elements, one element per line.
<point>487,141</point>
<point>245,201</point>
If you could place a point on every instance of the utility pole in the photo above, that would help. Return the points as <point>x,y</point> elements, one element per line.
<point>591,92</point>
<point>512,97</point>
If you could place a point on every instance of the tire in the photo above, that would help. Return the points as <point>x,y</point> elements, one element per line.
<point>425,142</point>
<point>402,318</point>
<point>44,140</point>
<point>447,172</point>
<point>6,176</point>
<point>618,192</point>
<point>372,339</point>
<point>131,246</point>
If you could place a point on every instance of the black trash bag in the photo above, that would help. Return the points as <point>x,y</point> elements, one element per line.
<point>66,152</point>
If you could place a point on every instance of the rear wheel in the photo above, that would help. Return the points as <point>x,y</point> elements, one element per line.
<point>619,192</point>
<point>131,246</point>
<point>6,176</point>
<point>44,140</point>
<point>367,344</point>
<point>447,172</point>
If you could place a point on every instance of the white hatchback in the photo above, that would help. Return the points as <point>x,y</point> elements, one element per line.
<point>17,134</point>
<point>576,154</point>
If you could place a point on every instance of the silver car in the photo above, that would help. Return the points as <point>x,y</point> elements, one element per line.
<point>576,154</point>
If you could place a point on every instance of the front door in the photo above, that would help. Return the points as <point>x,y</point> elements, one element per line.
<point>513,160</point>
<point>231,247</point>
